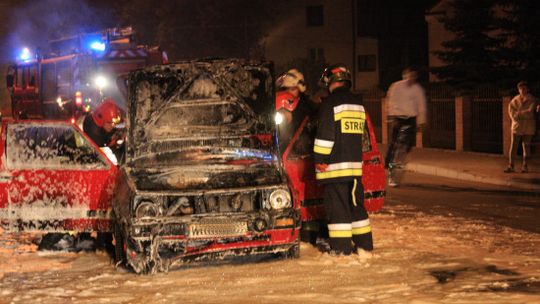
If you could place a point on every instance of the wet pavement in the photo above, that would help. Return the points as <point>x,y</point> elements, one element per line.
<point>474,167</point>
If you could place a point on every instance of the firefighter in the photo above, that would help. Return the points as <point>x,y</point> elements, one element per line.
<point>289,87</point>
<point>338,163</point>
<point>293,104</point>
<point>100,126</point>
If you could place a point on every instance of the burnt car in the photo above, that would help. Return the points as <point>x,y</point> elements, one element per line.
<point>202,177</point>
<point>53,178</point>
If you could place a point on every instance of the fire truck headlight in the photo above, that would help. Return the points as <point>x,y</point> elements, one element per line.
<point>78,98</point>
<point>101,82</point>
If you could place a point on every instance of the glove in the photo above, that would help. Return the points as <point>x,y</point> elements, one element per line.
<point>321,167</point>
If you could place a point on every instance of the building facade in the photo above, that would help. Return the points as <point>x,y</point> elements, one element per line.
<point>322,31</point>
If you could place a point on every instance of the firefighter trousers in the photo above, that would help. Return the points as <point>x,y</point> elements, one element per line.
<point>348,221</point>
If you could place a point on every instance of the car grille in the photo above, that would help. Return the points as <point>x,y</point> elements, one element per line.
<point>217,203</point>
<point>208,228</point>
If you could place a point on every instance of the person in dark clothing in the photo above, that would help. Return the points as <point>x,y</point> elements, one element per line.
<point>338,163</point>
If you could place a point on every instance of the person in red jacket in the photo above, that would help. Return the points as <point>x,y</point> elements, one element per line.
<point>289,87</point>
<point>292,105</point>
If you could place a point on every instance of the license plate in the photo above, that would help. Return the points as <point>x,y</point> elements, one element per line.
<point>217,228</point>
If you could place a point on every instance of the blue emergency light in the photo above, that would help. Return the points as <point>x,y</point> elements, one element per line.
<point>94,42</point>
<point>98,46</point>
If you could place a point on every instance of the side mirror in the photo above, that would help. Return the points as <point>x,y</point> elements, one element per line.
<point>9,81</point>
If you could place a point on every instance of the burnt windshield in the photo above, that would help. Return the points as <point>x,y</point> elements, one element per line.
<point>208,156</point>
<point>182,119</point>
<point>204,177</point>
<point>206,168</point>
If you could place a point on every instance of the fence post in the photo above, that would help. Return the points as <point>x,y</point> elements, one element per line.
<point>419,138</point>
<point>384,122</point>
<point>463,123</point>
<point>507,125</point>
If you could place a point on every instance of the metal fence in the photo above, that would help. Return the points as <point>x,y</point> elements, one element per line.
<point>486,118</point>
<point>372,104</point>
<point>441,130</point>
<point>486,121</point>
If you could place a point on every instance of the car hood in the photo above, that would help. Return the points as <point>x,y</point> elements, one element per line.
<point>197,100</point>
<point>205,168</point>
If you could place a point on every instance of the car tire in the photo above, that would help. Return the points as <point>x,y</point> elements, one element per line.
<point>57,241</point>
<point>104,241</point>
<point>293,252</point>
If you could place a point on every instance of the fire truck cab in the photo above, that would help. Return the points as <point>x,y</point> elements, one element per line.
<point>76,74</point>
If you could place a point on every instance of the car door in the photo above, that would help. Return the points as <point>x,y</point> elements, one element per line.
<point>298,163</point>
<point>373,174</point>
<point>56,178</point>
<point>4,180</point>
<point>300,169</point>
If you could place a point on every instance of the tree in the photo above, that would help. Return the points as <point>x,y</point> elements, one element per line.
<point>472,57</point>
<point>520,30</point>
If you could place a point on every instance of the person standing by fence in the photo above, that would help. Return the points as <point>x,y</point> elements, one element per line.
<point>522,113</point>
<point>406,108</point>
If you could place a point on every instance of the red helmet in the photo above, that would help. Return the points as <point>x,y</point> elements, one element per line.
<point>107,111</point>
<point>286,100</point>
<point>335,73</point>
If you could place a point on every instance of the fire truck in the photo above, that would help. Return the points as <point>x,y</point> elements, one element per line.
<point>76,74</point>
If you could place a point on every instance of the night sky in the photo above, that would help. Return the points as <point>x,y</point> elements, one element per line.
<point>398,25</point>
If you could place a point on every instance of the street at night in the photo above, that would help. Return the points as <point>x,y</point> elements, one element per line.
<point>437,249</point>
<point>257,151</point>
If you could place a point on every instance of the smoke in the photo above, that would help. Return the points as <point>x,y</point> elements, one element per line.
<point>34,23</point>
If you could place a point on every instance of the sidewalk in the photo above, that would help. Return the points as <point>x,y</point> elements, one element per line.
<point>475,167</point>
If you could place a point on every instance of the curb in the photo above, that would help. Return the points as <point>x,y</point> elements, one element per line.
<point>466,176</point>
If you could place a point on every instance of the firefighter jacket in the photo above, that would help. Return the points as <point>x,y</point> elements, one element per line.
<point>338,142</point>
<point>97,134</point>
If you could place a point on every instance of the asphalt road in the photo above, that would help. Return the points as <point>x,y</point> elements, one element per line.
<point>493,204</point>
<point>436,241</point>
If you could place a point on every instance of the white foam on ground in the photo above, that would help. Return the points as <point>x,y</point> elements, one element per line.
<point>409,248</point>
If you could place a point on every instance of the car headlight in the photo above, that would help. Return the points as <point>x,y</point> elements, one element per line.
<point>280,199</point>
<point>146,209</point>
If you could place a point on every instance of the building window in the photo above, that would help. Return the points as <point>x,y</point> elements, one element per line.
<point>315,15</point>
<point>316,54</point>
<point>367,63</point>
